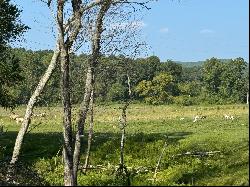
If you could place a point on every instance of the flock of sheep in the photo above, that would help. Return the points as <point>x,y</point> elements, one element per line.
<point>196,118</point>
<point>18,119</point>
<point>200,117</point>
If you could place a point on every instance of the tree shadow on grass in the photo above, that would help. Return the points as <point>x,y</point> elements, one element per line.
<point>48,145</point>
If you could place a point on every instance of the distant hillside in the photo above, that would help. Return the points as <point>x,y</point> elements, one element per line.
<point>197,63</point>
<point>190,64</point>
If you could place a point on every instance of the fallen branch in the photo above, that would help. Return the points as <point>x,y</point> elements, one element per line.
<point>209,153</point>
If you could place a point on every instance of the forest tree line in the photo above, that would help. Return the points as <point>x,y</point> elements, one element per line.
<point>216,81</point>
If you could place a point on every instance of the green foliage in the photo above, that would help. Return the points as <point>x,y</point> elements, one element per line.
<point>11,28</point>
<point>225,82</point>
<point>191,89</point>
<point>212,72</point>
<point>192,74</point>
<point>234,81</point>
<point>213,83</point>
<point>157,91</point>
<point>148,67</point>
<point>117,92</point>
<point>9,78</point>
<point>184,100</point>
<point>147,130</point>
<point>173,69</point>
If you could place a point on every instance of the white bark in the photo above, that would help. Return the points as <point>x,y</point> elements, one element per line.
<point>247,98</point>
<point>30,106</point>
<point>91,126</point>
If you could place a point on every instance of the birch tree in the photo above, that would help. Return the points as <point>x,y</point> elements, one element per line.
<point>72,27</point>
<point>93,61</point>
<point>99,34</point>
<point>68,30</point>
<point>90,134</point>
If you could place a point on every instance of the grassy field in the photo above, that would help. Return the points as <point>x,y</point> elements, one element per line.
<point>184,161</point>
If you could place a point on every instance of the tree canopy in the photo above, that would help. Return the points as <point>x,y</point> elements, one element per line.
<point>11,29</point>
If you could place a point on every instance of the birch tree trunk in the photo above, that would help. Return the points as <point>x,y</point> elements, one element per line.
<point>67,126</point>
<point>65,92</point>
<point>159,160</point>
<point>81,121</point>
<point>247,98</point>
<point>123,124</point>
<point>76,18</point>
<point>122,169</point>
<point>30,106</point>
<point>96,40</point>
<point>91,125</point>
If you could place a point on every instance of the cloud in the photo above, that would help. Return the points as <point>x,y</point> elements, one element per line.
<point>164,30</point>
<point>124,25</point>
<point>207,31</point>
<point>139,24</point>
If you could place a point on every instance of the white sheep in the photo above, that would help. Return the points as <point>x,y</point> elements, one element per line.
<point>39,115</point>
<point>196,118</point>
<point>13,116</point>
<point>203,117</point>
<point>228,117</point>
<point>19,120</point>
<point>42,114</point>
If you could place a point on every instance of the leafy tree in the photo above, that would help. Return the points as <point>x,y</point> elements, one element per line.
<point>173,69</point>
<point>147,68</point>
<point>117,92</point>
<point>189,93</point>
<point>157,91</point>
<point>106,75</point>
<point>233,81</point>
<point>9,77</point>
<point>190,74</point>
<point>78,76</point>
<point>191,89</point>
<point>11,29</point>
<point>212,71</point>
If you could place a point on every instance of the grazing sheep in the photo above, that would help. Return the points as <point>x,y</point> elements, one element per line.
<point>203,117</point>
<point>39,115</point>
<point>13,116</point>
<point>228,117</point>
<point>42,115</point>
<point>182,119</point>
<point>196,118</point>
<point>19,120</point>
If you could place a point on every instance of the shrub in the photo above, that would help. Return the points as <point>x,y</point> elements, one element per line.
<point>117,92</point>
<point>184,100</point>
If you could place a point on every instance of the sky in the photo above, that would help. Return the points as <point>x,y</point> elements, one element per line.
<point>179,30</point>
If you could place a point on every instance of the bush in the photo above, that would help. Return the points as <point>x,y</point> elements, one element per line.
<point>117,92</point>
<point>184,100</point>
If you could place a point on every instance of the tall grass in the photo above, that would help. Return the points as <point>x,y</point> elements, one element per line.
<point>148,128</point>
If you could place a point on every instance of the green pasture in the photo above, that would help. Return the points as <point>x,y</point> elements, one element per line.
<point>184,160</point>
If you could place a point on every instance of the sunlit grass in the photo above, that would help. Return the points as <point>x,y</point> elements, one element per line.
<point>148,128</point>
